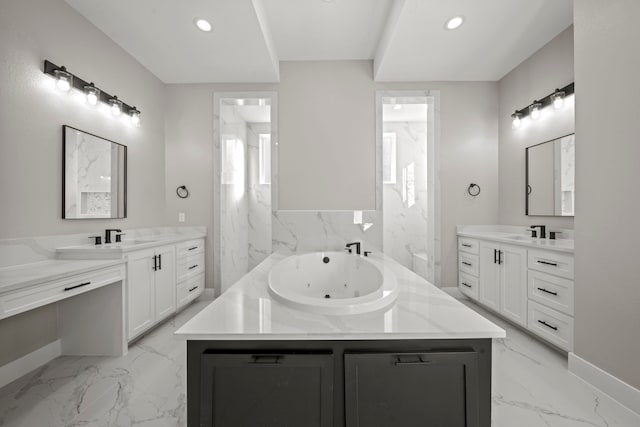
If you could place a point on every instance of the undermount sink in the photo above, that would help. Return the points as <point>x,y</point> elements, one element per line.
<point>332,283</point>
<point>518,237</point>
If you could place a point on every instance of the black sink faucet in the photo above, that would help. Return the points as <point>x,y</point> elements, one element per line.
<point>356,244</point>
<point>107,234</point>
<point>543,230</point>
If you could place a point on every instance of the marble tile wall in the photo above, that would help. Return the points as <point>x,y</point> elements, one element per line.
<point>234,204</point>
<point>259,199</point>
<point>405,227</point>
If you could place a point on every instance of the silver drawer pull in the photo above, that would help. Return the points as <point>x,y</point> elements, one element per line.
<point>466,245</point>
<point>555,328</point>
<point>549,292</point>
<point>466,284</point>
<point>193,266</point>
<point>77,286</point>
<point>466,263</point>
<point>193,289</point>
<point>193,248</point>
<point>553,264</point>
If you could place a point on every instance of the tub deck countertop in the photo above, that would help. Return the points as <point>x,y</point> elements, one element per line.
<point>247,311</point>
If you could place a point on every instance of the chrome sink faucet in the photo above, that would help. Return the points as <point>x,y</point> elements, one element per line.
<point>356,244</point>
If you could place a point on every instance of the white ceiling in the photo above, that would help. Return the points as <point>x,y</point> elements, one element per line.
<point>405,38</point>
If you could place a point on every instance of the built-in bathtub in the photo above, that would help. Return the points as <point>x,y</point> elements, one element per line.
<point>333,283</point>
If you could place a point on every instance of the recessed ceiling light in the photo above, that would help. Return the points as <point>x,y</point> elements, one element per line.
<point>328,1</point>
<point>454,23</point>
<point>202,24</point>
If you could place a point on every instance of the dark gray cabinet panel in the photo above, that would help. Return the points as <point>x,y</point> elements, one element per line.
<point>266,390</point>
<point>439,389</point>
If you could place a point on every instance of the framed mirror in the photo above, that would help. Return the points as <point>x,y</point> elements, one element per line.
<point>550,171</point>
<point>95,176</point>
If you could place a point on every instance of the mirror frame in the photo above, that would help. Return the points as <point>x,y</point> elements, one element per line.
<point>526,179</point>
<point>64,177</point>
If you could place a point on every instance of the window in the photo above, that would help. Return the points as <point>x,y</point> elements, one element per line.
<point>389,158</point>
<point>264,155</point>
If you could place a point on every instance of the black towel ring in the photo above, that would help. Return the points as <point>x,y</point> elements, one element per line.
<point>471,190</point>
<point>182,192</point>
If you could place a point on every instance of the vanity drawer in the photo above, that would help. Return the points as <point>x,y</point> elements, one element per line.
<point>189,266</point>
<point>190,247</point>
<point>190,290</point>
<point>551,325</point>
<point>552,263</point>
<point>552,291</point>
<point>471,246</point>
<point>468,285</point>
<point>468,263</point>
<point>38,295</point>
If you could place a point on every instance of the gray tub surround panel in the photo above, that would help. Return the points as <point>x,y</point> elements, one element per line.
<point>528,281</point>
<point>319,368</point>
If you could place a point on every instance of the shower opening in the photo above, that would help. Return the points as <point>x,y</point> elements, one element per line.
<point>408,181</point>
<point>245,184</point>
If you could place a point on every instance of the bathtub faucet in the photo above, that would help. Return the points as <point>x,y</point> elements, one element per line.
<point>356,244</point>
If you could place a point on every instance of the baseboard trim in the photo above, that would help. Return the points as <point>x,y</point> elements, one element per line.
<point>27,363</point>
<point>620,391</point>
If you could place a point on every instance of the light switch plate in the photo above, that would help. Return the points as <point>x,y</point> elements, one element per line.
<point>181,217</point>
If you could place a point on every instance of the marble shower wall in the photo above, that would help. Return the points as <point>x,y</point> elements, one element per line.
<point>234,204</point>
<point>405,227</point>
<point>259,199</point>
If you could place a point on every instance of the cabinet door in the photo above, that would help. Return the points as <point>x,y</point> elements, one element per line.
<point>165,287</point>
<point>513,281</point>
<point>266,390</point>
<point>140,292</point>
<point>412,389</point>
<point>489,282</point>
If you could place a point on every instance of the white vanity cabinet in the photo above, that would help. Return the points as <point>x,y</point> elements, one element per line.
<point>503,280</point>
<point>550,291</point>
<point>526,284</point>
<point>190,271</point>
<point>468,263</point>
<point>151,288</point>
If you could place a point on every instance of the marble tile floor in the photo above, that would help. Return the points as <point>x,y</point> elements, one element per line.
<point>531,387</point>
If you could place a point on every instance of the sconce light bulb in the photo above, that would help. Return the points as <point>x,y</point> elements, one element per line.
<point>558,99</point>
<point>534,111</point>
<point>63,79</point>
<point>93,94</point>
<point>63,84</point>
<point>517,122</point>
<point>115,106</point>
<point>135,117</point>
<point>92,99</point>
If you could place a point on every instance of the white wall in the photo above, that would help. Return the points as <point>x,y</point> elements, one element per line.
<point>31,135</point>
<point>468,152</point>
<point>549,68</point>
<point>327,157</point>
<point>607,294</point>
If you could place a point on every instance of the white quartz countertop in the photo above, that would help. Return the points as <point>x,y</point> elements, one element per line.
<point>113,250</point>
<point>560,245</point>
<point>248,312</point>
<point>25,275</point>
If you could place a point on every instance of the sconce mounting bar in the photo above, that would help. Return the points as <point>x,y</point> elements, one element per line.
<point>79,83</point>
<point>568,90</point>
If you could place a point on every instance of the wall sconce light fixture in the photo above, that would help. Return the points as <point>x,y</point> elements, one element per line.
<point>65,81</point>
<point>534,110</point>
